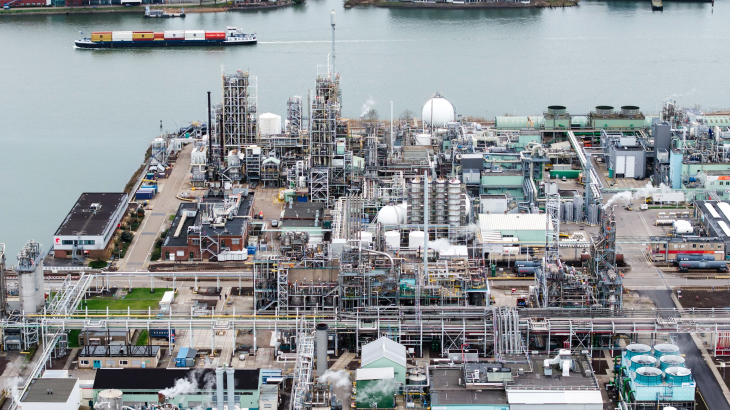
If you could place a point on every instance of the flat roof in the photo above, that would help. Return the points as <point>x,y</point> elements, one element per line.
<point>446,390</point>
<point>119,351</point>
<point>714,223</point>
<point>181,240</point>
<point>304,210</point>
<point>537,378</point>
<point>158,379</point>
<point>512,222</point>
<point>83,220</point>
<point>38,390</point>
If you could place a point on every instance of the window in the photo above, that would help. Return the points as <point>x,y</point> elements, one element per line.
<point>67,242</point>
<point>85,362</point>
<point>247,393</point>
<point>196,241</point>
<point>694,245</point>
<point>123,362</point>
<point>235,241</point>
<point>110,363</point>
<point>702,246</point>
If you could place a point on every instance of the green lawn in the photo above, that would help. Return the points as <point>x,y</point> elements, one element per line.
<point>143,338</point>
<point>139,299</point>
<point>73,338</point>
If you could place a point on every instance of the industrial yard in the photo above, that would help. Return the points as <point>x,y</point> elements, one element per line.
<point>310,261</point>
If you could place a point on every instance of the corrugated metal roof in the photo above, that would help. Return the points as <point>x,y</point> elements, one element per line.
<point>375,374</point>
<point>384,347</point>
<point>554,397</point>
<point>512,222</point>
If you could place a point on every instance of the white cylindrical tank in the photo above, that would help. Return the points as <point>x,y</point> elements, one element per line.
<point>415,239</point>
<point>40,295</point>
<point>438,111</point>
<point>392,240</point>
<point>366,237</point>
<point>269,124</point>
<point>423,139</point>
<point>27,292</point>
<point>111,396</point>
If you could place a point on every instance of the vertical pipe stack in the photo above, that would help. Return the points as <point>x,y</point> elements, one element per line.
<point>231,388</point>
<point>321,341</point>
<point>219,388</point>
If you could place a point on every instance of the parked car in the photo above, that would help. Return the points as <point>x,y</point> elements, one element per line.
<point>274,223</point>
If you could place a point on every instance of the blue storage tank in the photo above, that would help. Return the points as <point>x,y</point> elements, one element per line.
<point>678,375</point>
<point>649,376</point>
<point>642,361</point>
<point>637,349</point>
<point>668,361</point>
<point>665,349</point>
<point>251,250</point>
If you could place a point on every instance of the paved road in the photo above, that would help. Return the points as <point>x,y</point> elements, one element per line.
<point>706,381</point>
<point>164,204</point>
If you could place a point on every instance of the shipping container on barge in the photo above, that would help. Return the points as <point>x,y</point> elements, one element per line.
<point>171,38</point>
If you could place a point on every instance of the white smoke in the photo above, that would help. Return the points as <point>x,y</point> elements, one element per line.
<point>340,381</point>
<point>369,103</point>
<point>440,245</point>
<point>371,393</point>
<point>189,385</point>
<point>626,197</point>
<point>12,385</point>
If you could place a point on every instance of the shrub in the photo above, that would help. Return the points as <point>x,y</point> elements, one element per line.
<point>127,236</point>
<point>97,264</point>
<point>155,255</point>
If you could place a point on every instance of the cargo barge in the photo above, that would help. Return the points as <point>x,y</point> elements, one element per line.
<point>171,38</point>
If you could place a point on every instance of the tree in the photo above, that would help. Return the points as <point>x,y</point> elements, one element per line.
<point>127,236</point>
<point>371,115</point>
<point>407,115</point>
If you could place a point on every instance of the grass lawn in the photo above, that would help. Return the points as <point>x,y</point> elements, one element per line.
<point>139,299</point>
<point>73,338</point>
<point>143,338</point>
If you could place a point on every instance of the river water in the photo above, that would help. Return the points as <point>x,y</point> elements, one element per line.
<point>80,120</point>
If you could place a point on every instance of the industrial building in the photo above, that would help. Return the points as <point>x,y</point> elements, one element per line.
<point>52,394</point>
<point>90,224</point>
<point>141,386</point>
<point>119,356</point>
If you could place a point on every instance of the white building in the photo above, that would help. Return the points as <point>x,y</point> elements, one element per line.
<point>91,223</point>
<point>52,394</point>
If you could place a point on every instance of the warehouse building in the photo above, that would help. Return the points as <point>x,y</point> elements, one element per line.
<point>626,156</point>
<point>52,394</point>
<point>90,224</point>
<point>511,234</point>
<point>385,353</point>
<point>714,216</point>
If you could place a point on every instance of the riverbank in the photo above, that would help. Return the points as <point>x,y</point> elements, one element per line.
<point>461,6</point>
<point>189,8</point>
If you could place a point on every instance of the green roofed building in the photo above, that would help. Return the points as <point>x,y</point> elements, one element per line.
<point>385,353</point>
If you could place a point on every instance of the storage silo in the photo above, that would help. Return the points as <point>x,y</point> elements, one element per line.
<point>392,240</point>
<point>366,237</point>
<point>569,213</point>
<point>637,349</point>
<point>678,375</point>
<point>455,198</point>
<point>665,349</point>
<point>113,397</point>
<point>578,208</point>
<point>415,240</point>
<point>592,210</point>
<point>648,376</point>
<point>269,124</point>
<point>439,202</point>
<point>642,361</point>
<point>671,361</point>
<point>423,139</point>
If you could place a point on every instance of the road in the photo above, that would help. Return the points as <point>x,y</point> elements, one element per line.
<point>164,204</point>
<point>706,381</point>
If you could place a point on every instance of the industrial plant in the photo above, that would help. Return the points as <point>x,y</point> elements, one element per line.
<point>430,261</point>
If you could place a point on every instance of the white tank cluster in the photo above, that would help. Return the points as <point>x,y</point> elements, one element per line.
<point>31,290</point>
<point>269,124</point>
<point>392,240</point>
<point>437,111</point>
<point>393,215</point>
<point>415,240</point>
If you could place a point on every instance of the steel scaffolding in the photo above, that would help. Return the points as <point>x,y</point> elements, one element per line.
<point>240,126</point>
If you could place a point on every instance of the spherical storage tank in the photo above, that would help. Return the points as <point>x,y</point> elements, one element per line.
<point>437,111</point>
<point>391,215</point>
<point>392,239</point>
<point>269,124</point>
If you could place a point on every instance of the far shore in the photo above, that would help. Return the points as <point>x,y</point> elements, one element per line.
<point>189,8</point>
